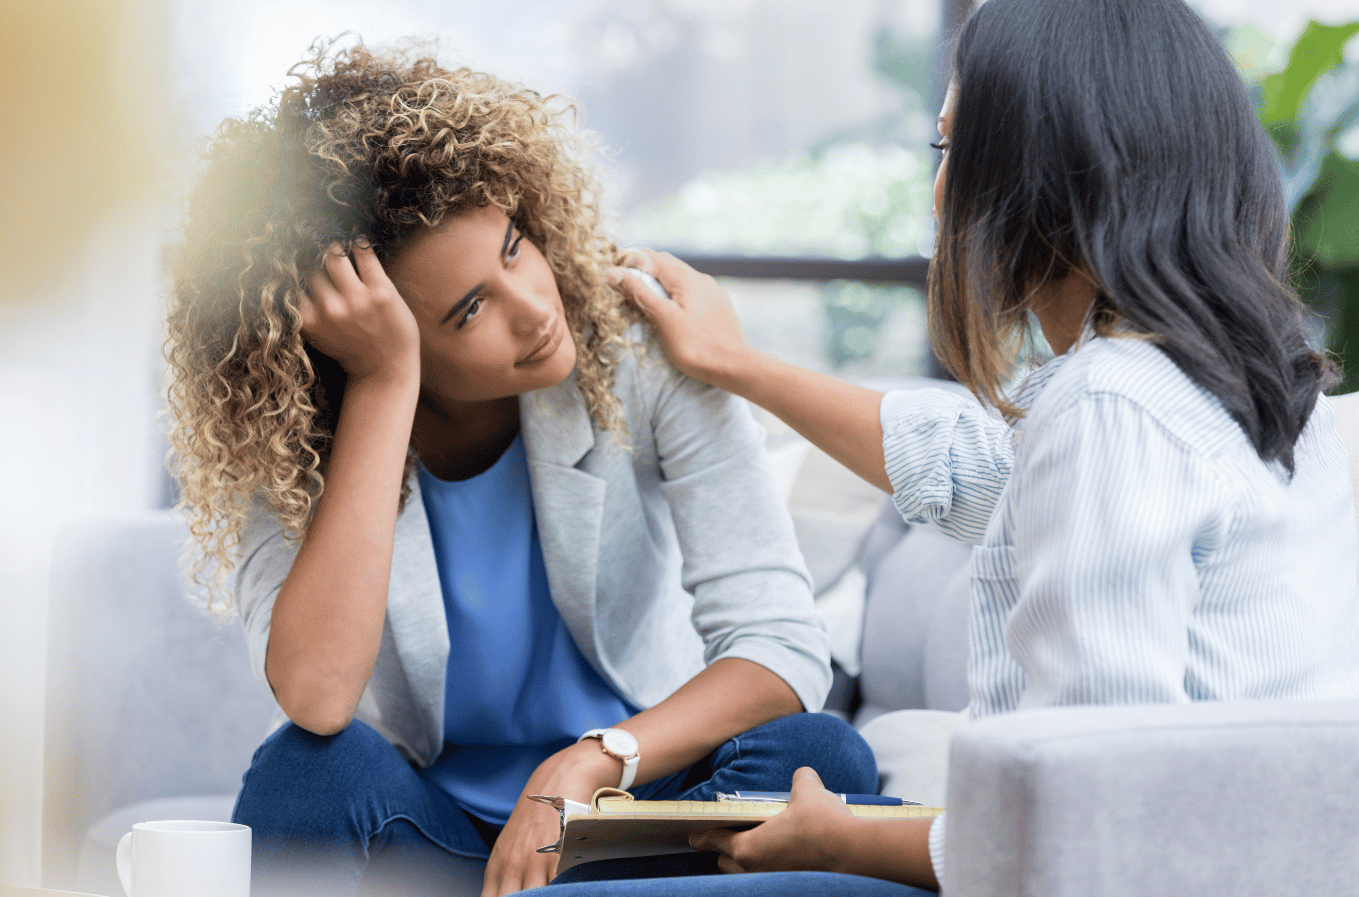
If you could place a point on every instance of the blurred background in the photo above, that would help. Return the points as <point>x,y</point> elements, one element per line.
<point>779,143</point>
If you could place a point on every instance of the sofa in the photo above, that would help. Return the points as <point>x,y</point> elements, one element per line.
<point>152,710</point>
<point>153,713</point>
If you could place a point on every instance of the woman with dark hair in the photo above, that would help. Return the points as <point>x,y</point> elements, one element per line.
<point>1164,512</point>
<point>484,541</point>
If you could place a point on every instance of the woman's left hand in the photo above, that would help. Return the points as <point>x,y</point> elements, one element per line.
<point>575,772</point>
<point>802,837</point>
<point>697,325</point>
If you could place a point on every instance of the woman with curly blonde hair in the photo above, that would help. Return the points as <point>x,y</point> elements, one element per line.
<point>465,514</point>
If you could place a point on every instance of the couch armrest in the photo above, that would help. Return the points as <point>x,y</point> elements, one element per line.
<point>1207,799</point>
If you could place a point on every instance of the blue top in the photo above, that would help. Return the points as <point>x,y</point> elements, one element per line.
<point>518,688</point>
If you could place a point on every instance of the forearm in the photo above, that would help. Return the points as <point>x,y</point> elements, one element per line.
<point>728,697</point>
<point>839,418</point>
<point>892,849</point>
<point>326,624</point>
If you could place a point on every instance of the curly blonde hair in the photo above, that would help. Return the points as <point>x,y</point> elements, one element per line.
<point>379,145</point>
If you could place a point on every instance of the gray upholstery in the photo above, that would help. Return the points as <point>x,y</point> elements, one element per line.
<point>914,650</point>
<point>911,747</point>
<point>946,645</point>
<point>1208,799</point>
<point>913,654</point>
<point>149,696</point>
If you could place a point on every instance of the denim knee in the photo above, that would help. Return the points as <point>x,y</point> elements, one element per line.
<point>298,778</point>
<point>826,743</point>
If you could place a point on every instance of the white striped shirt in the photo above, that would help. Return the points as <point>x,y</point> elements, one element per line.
<point>1133,546</point>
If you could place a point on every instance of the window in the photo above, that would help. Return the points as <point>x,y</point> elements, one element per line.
<point>784,141</point>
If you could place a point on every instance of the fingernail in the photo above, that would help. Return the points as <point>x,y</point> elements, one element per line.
<point>614,276</point>
<point>362,242</point>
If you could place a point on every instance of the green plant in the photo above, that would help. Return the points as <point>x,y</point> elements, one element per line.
<point>1311,110</point>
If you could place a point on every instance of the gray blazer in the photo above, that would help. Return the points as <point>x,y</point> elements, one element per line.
<point>662,556</point>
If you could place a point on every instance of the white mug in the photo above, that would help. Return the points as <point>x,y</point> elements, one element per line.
<point>182,858</point>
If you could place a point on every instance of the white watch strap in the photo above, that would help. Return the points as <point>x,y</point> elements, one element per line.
<point>629,772</point>
<point>629,763</point>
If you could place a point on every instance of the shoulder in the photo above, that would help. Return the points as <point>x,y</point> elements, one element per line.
<point>259,526</point>
<point>650,387</point>
<point>684,419</point>
<point>642,366</point>
<point>1130,380</point>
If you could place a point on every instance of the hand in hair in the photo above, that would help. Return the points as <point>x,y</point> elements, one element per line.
<point>326,623</point>
<point>353,313</point>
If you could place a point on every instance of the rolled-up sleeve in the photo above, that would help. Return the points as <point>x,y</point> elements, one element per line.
<point>948,459</point>
<point>741,562</point>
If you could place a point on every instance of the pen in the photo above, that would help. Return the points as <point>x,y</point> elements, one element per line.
<point>781,797</point>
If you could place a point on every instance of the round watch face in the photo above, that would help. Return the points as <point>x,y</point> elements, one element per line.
<point>619,743</point>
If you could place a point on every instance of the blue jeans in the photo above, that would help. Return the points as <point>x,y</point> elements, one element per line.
<point>763,884</point>
<point>328,812</point>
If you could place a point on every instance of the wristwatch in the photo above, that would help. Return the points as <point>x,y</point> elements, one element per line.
<point>621,745</point>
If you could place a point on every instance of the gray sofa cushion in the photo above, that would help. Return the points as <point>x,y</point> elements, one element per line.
<point>914,651</point>
<point>946,644</point>
<point>1233,798</point>
<point>911,747</point>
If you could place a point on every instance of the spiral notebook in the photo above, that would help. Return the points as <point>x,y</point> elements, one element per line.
<point>614,825</point>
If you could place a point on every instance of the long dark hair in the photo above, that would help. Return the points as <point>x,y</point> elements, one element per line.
<point>1114,138</point>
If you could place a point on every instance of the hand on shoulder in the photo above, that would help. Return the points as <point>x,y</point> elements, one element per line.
<point>697,325</point>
